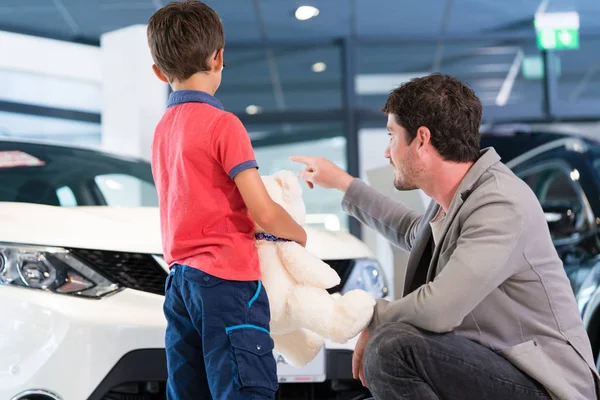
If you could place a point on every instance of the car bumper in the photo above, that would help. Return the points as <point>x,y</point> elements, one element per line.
<point>80,348</point>
<point>68,345</point>
<point>149,365</point>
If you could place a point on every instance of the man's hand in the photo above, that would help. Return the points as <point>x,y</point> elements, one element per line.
<point>322,172</point>
<point>357,357</point>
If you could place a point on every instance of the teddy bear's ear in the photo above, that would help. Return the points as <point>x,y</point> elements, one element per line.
<point>273,187</point>
<point>290,185</point>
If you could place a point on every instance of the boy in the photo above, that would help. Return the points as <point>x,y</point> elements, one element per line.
<point>217,340</point>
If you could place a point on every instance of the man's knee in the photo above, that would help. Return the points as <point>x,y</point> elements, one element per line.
<point>394,336</point>
<point>388,346</point>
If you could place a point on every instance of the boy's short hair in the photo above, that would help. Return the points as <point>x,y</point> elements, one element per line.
<point>182,36</point>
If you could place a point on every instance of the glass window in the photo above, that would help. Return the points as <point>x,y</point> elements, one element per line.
<point>551,185</point>
<point>64,176</point>
<point>126,191</point>
<point>579,72</point>
<point>280,79</point>
<point>50,91</point>
<point>381,68</point>
<point>47,128</point>
<point>66,197</point>
<point>323,206</point>
<point>500,74</point>
<point>556,188</point>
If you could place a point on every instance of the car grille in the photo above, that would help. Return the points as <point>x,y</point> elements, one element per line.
<point>343,269</point>
<point>131,270</point>
<point>142,272</point>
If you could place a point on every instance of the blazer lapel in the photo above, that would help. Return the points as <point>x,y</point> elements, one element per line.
<point>418,256</point>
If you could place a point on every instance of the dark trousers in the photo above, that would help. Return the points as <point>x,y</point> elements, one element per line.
<point>217,341</point>
<point>403,362</point>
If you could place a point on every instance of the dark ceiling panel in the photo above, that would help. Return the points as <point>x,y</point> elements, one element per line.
<point>37,19</point>
<point>470,16</point>
<point>250,78</point>
<point>399,18</point>
<point>238,18</point>
<point>333,19</point>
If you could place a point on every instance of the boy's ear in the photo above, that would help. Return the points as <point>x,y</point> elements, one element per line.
<point>159,74</point>
<point>218,61</point>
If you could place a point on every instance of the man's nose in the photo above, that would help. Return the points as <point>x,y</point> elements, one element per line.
<point>387,153</point>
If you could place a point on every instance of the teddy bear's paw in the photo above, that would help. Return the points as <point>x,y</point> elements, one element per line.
<point>298,347</point>
<point>352,314</point>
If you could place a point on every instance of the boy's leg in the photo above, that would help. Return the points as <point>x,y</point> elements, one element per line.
<point>185,361</point>
<point>238,349</point>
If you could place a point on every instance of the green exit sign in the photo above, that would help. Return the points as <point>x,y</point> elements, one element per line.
<point>558,39</point>
<point>557,31</point>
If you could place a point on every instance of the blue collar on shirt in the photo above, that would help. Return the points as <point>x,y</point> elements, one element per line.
<point>193,96</point>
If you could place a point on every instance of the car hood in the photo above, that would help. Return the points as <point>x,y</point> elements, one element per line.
<point>134,230</point>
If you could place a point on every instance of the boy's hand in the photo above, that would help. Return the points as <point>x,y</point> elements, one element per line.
<point>302,242</point>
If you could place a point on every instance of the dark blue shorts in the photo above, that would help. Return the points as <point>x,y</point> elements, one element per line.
<point>217,342</point>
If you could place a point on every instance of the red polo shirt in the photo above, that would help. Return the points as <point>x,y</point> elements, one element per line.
<point>197,150</point>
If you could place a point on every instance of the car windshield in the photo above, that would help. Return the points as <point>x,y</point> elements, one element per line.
<point>69,177</point>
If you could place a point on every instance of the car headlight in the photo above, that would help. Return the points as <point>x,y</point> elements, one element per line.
<point>368,276</point>
<point>52,269</point>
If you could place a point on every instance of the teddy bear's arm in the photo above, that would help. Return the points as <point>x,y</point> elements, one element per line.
<point>306,268</point>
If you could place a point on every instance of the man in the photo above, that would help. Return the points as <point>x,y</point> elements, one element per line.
<point>487,311</point>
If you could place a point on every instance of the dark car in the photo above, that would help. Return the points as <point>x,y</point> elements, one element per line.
<point>564,173</point>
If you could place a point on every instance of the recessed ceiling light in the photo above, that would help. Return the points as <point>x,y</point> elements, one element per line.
<point>306,12</point>
<point>252,109</point>
<point>319,67</point>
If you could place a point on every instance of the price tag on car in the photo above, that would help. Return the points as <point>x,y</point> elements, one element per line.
<point>314,371</point>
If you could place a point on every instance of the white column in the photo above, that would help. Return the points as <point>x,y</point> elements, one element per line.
<point>133,99</point>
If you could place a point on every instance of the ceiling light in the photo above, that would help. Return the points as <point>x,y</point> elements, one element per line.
<point>319,67</point>
<point>252,109</point>
<point>306,12</point>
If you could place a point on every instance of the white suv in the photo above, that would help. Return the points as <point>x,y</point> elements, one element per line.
<point>82,280</point>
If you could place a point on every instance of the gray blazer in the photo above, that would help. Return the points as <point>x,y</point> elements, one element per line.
<point>494,277</point>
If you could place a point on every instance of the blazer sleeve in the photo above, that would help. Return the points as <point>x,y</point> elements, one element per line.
<point>396,222</point>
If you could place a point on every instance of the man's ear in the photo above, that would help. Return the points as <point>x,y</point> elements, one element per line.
<point>159,74</point>
<point>423,137</point>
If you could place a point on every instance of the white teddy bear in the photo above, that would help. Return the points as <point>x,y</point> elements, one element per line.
<point>302,311</point>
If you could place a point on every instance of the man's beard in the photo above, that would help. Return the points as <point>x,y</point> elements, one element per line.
<point>406,179</point>
<point>402,184</point>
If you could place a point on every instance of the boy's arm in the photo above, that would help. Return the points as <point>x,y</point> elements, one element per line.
<point>268,214</point>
